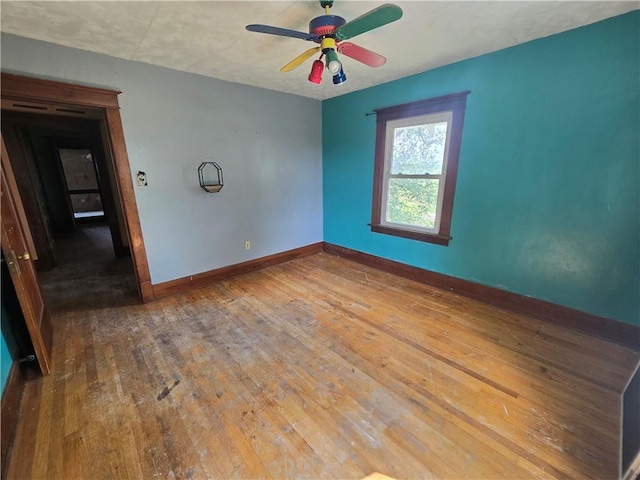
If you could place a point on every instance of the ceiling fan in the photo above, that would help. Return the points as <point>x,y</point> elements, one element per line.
<point>330,31</point>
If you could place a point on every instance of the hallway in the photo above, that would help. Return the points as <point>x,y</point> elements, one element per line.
<point>87,273</point>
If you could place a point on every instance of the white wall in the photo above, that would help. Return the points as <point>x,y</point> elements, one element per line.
<point>267,143</point>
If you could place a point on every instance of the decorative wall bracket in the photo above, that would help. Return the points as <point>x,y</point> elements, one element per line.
<point>210,177</point>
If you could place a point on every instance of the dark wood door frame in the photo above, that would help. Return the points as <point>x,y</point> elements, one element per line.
<point>55,96</point>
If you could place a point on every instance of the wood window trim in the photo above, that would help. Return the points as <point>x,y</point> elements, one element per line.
<point>105,104</point>
<point>456,103</point>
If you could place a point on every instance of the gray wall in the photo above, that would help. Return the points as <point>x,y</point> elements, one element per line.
<point>267,143</point>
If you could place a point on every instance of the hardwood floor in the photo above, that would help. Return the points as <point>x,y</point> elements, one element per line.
<point>317,368</point>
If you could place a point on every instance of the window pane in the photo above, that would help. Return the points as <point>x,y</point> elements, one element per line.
<point>78,169</point>
<point>413,201</point>
<point>86,202</point>
<point>419,149</point>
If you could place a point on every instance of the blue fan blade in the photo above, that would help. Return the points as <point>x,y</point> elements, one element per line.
<point>283,32</point>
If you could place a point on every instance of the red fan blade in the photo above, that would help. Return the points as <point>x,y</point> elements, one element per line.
<point>361,54</point>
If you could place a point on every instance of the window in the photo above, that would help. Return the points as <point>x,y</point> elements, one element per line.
<point>81,177</point>
<point>416,164</point>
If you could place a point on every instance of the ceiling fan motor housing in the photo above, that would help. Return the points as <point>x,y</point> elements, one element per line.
<point>325,25</point>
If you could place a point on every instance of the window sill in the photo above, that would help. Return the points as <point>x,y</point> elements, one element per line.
<point>422,237</point>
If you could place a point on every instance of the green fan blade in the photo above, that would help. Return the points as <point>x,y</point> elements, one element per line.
<point>375,18</point>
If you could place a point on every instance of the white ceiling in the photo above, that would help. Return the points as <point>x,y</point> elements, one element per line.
<point>209,38</point>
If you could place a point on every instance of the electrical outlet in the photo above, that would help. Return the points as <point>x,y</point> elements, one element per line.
<point>247,245</point>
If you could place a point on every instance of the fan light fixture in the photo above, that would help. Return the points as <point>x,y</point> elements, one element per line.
<point>333,64</point>
<point>330,31</point>
<point>339,78</point>
<point>316,72</point>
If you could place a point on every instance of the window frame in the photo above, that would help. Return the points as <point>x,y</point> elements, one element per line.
<point>456,105</point>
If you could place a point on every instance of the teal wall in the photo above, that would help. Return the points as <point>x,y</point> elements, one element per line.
<point>547,201</point>
<point>7,315</point>
<point>5,362</point>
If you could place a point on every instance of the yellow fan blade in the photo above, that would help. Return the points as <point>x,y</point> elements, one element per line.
<point>299,60</point>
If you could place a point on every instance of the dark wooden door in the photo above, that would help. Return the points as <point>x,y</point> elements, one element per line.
<point>17,247</point>
<point>29,185</point>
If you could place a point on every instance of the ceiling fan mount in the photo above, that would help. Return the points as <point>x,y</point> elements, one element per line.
<point>325,25</point>
<point>330,31</point>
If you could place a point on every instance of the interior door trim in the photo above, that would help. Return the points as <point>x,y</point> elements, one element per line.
<point>34,90</point>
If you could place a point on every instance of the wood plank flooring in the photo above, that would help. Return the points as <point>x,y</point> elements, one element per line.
<point>317,368</point>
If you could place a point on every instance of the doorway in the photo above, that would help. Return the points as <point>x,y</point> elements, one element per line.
<point>33,95</point>
<point>65,178</point>
<point>88,106</point>
<point>73,214</point>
